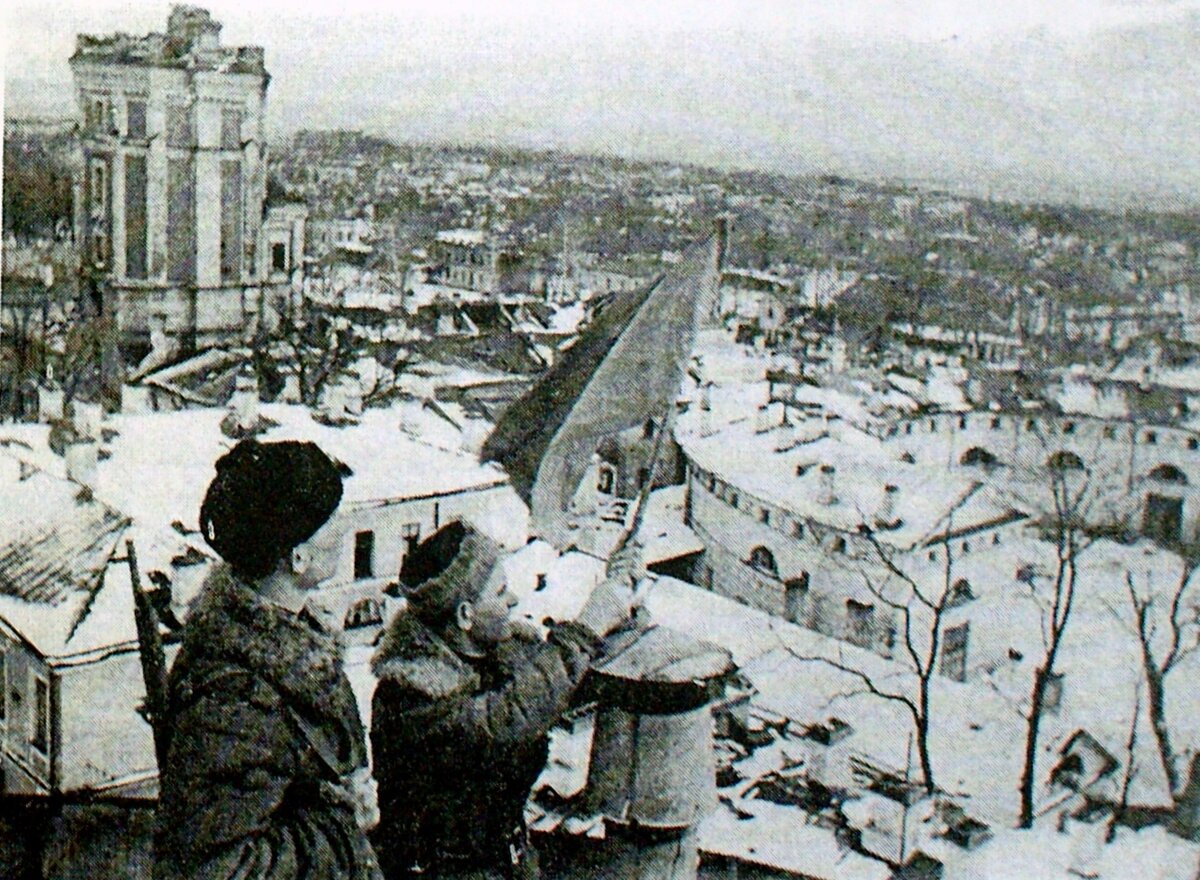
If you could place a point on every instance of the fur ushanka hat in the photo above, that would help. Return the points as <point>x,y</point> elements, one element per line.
<point>449,567</point>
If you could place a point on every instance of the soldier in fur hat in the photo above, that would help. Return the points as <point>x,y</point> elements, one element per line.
<point>463,709</point>
<point>265,771</point>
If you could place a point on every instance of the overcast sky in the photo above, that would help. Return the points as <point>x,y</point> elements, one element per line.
<point>1071,98</point>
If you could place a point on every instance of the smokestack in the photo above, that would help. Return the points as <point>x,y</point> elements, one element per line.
<point>827,490</point>
<point>135,399</point>
<point>885,517</point>
<point>86,418</point>
<point>291,389</point>
<point>652,775</point>
<point>50,403</point>
<point>333,403</point>
<point>722,226</point>
<point>352,397</point>
<point>81,455</point>
<point>243,404</point>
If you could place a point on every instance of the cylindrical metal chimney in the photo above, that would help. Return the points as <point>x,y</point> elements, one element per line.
<point>652,776</point>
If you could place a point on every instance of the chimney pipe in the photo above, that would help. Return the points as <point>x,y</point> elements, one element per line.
<point>885,517</point>
<point>81,455</point>
<point>352,397</point>
<point>244,402</point>
<point>827,493</point>
<point>652,775</point>
<point>50,404</point>
<point>333,403</point>
<point>86,418</point>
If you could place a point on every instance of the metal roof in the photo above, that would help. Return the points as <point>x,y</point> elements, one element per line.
<point>52,551</point>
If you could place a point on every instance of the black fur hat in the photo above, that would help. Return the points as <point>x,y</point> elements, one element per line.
<point>450,566</point>
<point>266,499</point>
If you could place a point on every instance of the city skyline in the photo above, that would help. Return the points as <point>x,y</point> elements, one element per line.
<point>1083,102</point>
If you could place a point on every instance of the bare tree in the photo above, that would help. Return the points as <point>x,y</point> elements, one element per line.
<point>1167,627</point>
<point>1122,805</point>
<point>921,611</point>
<point>317,346</point>
<point>1067,529</point>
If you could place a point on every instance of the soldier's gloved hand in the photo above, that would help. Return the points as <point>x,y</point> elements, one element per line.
<point>608,607</point>
<point>364,796</point>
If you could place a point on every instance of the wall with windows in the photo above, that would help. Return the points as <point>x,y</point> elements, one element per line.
<point>771,559</point>
<point>1153,469</point>
<point>173,190</point>
<point>28,732</point>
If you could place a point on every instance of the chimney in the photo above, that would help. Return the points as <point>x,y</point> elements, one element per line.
<point>768,416</point>
<point>352,396</point>
<point>291,389</point>
<point>885,517</point>
<point>135,399</point>
<point>50,403</point>
<point>333,403</point>
<point>243,404</point>
<point>81,455</point>
<point>652,774</point>
<point>826,493</point>
<point>721,229</point>
<point>86,418</point>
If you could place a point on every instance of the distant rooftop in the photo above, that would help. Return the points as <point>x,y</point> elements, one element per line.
<point>192,41</point>
<point>463,237</point>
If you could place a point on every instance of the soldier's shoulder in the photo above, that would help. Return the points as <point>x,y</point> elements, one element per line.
<point>413,658</point>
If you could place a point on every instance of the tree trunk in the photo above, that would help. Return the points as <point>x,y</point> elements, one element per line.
<point>922,725</point>
<point>1158,721</point>
<point>1029,771</point>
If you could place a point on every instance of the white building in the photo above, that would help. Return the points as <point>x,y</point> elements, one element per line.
<point>70,675</point>
<point>170,204</point>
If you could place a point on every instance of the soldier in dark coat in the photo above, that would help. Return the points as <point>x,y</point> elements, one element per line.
<point>462,713</point>
<point>266,763</point>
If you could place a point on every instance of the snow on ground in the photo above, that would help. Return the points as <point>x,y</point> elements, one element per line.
<point>774,836</point>
<point>1044,853</point>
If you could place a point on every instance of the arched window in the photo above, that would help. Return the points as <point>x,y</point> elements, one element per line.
<point>977,455</point>
<point>364,612</point>
<point>1166,473</point>
<point>1064,460</point>
<point>762,559</point>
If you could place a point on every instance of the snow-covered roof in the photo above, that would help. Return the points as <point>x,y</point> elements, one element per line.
<point>464,237</point>
<point>975,742</point>
<point>663,533</point>
<point>71,594</point>
<point>161,463</point>
<point>751,461</point>
<point>778,837</point>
